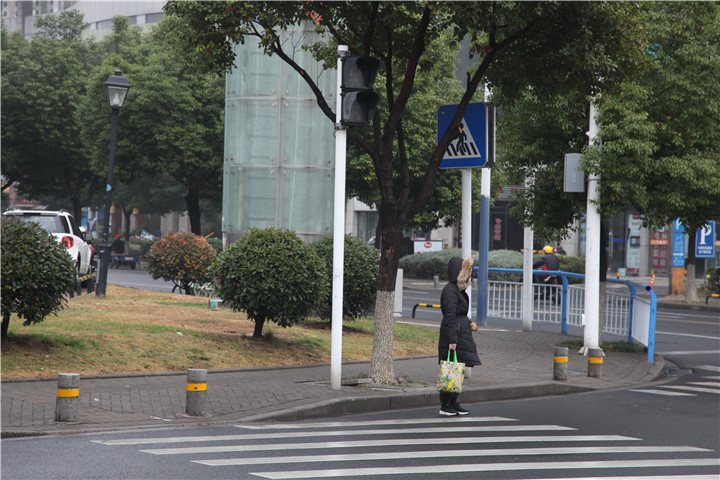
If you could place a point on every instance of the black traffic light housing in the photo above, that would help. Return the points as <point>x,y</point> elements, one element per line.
<point>359,102</point>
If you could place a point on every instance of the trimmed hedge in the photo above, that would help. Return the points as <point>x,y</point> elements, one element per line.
<point>37,272</point>
<point>182,258</point>
<point>271,275</point>
<point>427,265</point>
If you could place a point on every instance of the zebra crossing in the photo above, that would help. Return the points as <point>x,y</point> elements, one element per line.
<point>469,447</point>
<point>708,384</point>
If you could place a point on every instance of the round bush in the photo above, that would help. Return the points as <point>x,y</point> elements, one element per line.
<point>361,267</point>
<point>37,272</point>
<point>182,258</point>
<point>272,275</point>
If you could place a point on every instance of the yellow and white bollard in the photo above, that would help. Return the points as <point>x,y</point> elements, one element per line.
<point>595,362</point>
<point>196,396</point>
<point>68,397</point>
<point>560,366</point>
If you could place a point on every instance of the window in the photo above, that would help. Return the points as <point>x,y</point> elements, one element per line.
<point>51,224</point>
<point>153,17</point>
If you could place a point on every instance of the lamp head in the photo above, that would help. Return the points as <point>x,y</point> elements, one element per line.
<point>117,87</point>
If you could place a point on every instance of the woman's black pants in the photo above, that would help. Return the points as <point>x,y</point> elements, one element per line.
<point>448,398</point>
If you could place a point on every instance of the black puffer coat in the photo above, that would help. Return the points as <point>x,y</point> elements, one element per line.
<point>455,326</point>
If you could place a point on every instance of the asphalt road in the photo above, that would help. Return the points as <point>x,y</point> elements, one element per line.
<point>635,433</point>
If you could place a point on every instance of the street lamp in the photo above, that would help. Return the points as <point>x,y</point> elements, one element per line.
<point>116,87</point>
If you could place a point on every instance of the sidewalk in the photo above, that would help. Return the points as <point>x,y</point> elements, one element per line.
<point>516,364</point>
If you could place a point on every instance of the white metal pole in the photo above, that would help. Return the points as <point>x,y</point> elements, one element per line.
<point>484,246</point>
<point>484,227</point>
<point>527,295</point>
<point>467,224</point>
<point>338,233</point>
<point>591,336</point>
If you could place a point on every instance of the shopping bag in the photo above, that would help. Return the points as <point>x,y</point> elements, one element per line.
<point>450,375</point>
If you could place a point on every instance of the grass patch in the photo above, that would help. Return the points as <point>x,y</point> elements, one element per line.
<point>623,347</point>
<point>135,331</point>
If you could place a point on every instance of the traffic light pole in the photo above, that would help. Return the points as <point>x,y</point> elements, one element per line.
<point>338,231</point>
<point>591,332</point>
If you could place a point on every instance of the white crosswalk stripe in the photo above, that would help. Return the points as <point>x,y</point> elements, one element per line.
<point>495,452</point>
<point>711,368</point>
<point>384,443</point>
<point>489,467</point>
<point>666,393</point>
<point>263,436</point>
<point>710,384</point>
<point>428,447</point>
<point>692,389</point>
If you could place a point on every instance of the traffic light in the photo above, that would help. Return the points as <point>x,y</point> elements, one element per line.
<point>359,102</point>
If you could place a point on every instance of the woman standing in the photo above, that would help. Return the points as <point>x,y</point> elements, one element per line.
<point>456,329</point>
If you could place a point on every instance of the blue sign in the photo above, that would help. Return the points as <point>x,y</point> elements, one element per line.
<point>705,241</point>
<point>678,244</point>
<point>470,148</point>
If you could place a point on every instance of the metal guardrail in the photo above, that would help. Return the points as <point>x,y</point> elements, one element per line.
<point>626,314</point>
<point>428,305</point>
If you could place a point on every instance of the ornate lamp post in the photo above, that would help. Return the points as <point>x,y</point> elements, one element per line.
<point>117,87</point>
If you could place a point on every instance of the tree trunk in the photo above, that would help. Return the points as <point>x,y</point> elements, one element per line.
<point>192,203</point>
<point>381,365</point>
<point>127,212</point>
<point>5,324</point>
<point>691,294</point>
<point>259,322</point>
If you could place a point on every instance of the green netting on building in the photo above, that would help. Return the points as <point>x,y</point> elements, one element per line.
<point>279,146</point>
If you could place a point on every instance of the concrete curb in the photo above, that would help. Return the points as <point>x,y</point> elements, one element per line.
<point>428,397</point>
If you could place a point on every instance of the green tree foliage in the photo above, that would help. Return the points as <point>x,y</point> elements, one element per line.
<point>549,46</point>
<point>271,275</point>
<point>182,258</point>
<point>172,123</point>
<point>361,266</point>
<point>42,81</point>
<point>37,273</point>
<point>659,131</point>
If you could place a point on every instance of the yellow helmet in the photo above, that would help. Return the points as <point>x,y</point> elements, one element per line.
<point>548,249</point>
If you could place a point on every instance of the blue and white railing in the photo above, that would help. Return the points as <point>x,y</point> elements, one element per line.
<point>626,314</point>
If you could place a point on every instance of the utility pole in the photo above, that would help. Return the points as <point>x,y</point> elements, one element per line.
<point>591,334</point>
<point>338,231</point>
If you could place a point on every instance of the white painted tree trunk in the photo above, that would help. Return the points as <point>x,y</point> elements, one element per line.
<point>381,366</point>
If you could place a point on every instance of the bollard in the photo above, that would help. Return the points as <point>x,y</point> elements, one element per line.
<point>68,397</point>
<point>436,281</point>
<point>595,362</point>
<point>196,396</point>
<point>560,366</point>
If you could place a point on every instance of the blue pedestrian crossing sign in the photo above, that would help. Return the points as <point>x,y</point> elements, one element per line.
<point>475,145</point>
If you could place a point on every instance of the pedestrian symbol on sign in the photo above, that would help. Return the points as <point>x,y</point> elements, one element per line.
<point>463,146</point>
